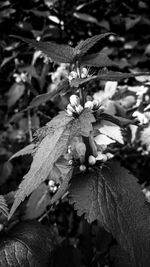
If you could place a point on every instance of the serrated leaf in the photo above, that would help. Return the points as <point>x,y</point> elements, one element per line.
<point>58,53</point>
<point>111,130</point>
<point>85,120</point>
<point>114,198</point>
<point>96,60</point>
<point>83,47</point>
<point>62,88</point>
<point>3,206</point>
<point>27,150</point>
<point>49,150</point>
<point>117,76</point>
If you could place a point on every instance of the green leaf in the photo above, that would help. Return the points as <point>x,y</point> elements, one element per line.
<point>85,121</point>
<point>62,88</point>
<point>114,198</point>
<point>111,130</point>
<point>97,60</point>
<point>57,52</point>
<point>15,92</point>
<point>3,206</point>
<point>27,150</point>
<point>50,149</point>
<point>83,47</point>
<point>37,203</point>
<point>117,76</point>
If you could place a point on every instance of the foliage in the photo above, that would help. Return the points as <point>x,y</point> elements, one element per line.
<point>72,114</point>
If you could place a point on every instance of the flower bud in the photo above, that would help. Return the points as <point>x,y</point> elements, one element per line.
<point>92,160</point>
<point>70,113</point>
<point>79,109</point>
<point>70,108</point>
<point>88,104</point>
<point>74,100</point>
<point>72,75</point>
<point>82,168</point>
<point>96,103</point>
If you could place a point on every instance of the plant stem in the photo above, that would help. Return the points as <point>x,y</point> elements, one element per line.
<point>81,91</point>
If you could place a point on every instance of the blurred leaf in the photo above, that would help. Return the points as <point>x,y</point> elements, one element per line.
<point>61,88</point>
<point>5,170</point>
<point>37,203</point>
<point>85,17</point>
<point>15,92</point>
<point>130,23</point>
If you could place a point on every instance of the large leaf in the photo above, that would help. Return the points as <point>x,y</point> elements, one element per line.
<point>59,132</point>
<point>50,149</point>
<point>114,197</point>
<point>85,122</point>
<point>96,60</point>
<point>58,53</point>
<point>64,53</point>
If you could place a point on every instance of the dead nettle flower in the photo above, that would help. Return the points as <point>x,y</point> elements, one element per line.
<point>74,107</point>
<point>21,77</point>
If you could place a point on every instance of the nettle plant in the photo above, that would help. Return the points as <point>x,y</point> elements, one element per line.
<point>72,152</point>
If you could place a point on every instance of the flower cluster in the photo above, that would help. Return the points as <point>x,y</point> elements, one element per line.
<point>74,107</point>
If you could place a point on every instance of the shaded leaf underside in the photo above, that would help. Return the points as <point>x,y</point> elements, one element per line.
<point>113,197</point>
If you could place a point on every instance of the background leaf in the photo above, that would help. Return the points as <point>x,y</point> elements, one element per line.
<point>15,93</point>
<point>27,244</point>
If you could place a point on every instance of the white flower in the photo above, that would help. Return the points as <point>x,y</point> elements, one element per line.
<point>70,108</point>
<point>89,104</point>
<point>74,100</point>
<point>82,168</point>
<point>91,160</point>
<point>72,75</point>
<point>84,73</point>
<point>79,109</point>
